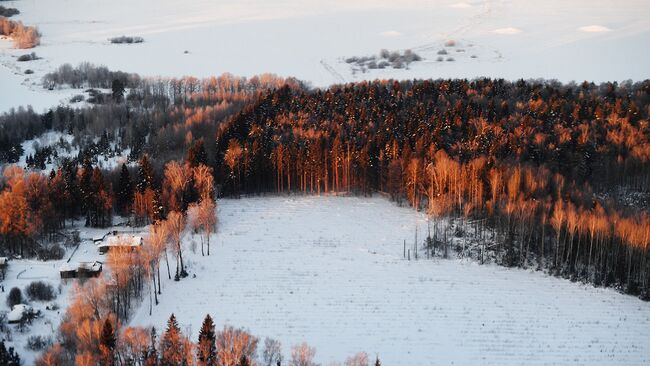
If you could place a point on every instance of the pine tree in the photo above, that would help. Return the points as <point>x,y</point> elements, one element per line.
<point>196,154</point>
<point>207,349</point>
<point>377,363</point>
<point>86,189</point>
<point>172,345</point>
<point>117,87</point>
<point>107,344</point>
<point>125,191</point>
<point>145,174</point>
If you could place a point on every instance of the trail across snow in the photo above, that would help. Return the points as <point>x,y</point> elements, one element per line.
<point>329,271</point>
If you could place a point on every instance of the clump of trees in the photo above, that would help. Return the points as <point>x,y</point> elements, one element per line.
<point>98,340</point>
<point>87,75</point>
<point>27,57</point>
<point>385,59</point>
<point>23,36</point>
<point>126,39</point>
<point>8,12</point>
<point>40,291</point>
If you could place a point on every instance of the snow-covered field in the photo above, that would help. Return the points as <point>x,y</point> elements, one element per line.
<point>569,40</point>
<point>329,271</point>
<point>22,272</point>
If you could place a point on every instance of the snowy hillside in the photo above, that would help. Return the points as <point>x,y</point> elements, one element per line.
<point>576,40</point>
<point>329,271</point>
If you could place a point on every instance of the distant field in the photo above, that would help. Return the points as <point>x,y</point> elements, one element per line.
<point>310,40</point>
<point>329,271</point>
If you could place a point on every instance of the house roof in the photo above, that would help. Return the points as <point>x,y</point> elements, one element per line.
<point>122,241</point>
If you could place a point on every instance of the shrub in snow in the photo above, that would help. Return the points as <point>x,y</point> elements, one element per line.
<point>29,72</point>
<point>272,354</point>
<point>442,52</point>
<point>28,57</point>
<point>125,39</point>
<point>77,98</point>
<point>360,359</point>
<point>53,252</point>
<point>8,12</point>
<point>302,355</point>
<point>38,342</point>
<point>41,291</point>
<point>15,297</point>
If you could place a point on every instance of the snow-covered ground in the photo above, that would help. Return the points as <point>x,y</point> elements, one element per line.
<point>329,271</point>
<point>568,40</point>
<point>21,272</point>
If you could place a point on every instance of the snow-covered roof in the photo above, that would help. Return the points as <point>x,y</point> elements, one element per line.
<point>17,312</point>
<point>122,241</point>
<point>90,266</point>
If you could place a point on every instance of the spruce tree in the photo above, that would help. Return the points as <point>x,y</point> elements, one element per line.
<point>125,191</point>
<point>172,345</point>
<point>107,344</point>
<point>377,363</point>
<point>207,349</point>
<point>145,174</point>
<point>86,189</point>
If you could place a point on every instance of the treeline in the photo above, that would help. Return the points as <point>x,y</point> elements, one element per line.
<point>535,160</point>
<point>90,335</point>
<point>532,158</point>
<point>23,36</point>
<point>158,115</point>
<point>87,75</point>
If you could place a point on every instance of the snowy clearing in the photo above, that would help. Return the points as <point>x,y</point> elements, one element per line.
<point>308,40</point>
<point>329,271</point>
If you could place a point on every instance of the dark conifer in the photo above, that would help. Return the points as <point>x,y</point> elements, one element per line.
<point>124,191</point>
<point>206,348</point>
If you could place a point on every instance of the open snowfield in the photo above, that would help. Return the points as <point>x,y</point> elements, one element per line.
<point>329,271</point>
<point>567,40</point>
<point>22,272</point>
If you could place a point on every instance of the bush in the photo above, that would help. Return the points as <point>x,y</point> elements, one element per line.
<point>40,291</point>
<point>54,252</point>
<point>28,57</point>
<point>125,39</point>
<point>15,297</point>
<point>77,98</point>
<point>8,12</point>
<point>29,72</point>
<point>38,342</point>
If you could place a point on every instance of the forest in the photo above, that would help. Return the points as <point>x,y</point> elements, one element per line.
<point>545,173</point>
